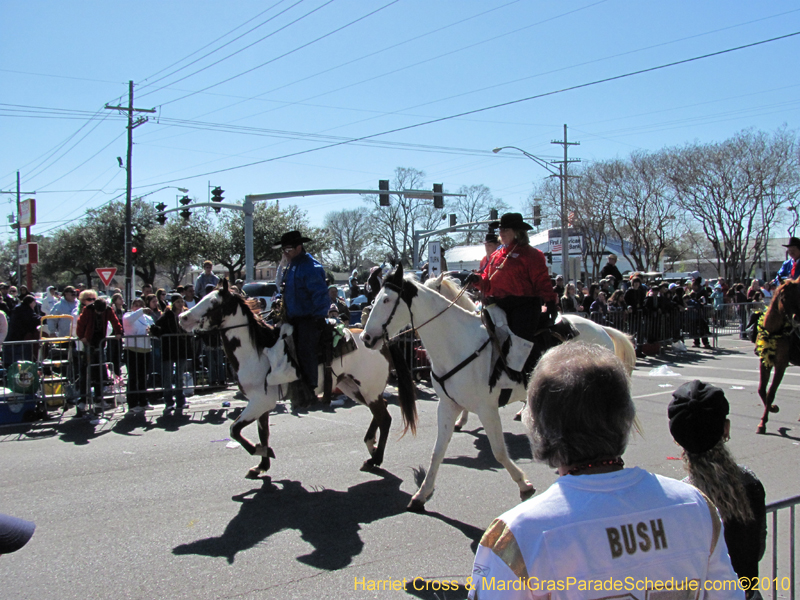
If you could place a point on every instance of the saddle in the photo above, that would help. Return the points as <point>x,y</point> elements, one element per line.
<point>516,356</point>
<point>335,341</point>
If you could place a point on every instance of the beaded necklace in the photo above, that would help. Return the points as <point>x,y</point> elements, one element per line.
<point>611,462</point>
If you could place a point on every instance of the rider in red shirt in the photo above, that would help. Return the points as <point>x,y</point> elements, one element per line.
<point>517,279</point>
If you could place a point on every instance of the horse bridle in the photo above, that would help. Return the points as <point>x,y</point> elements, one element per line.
<point>399,291</point>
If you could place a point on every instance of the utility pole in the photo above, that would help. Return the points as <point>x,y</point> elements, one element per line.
<point>132,124</point>
<point>564,216</point>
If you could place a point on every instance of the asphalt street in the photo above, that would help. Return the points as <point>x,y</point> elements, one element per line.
<point>160,509</point>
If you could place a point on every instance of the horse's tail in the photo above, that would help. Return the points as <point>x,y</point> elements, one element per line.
<point>405,389</point>
<point>623,348</point>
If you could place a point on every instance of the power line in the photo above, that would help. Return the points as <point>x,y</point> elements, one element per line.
<point>491,107</point>
<point>285,54</point>
<point>223,46</point>
<point>358,59</point>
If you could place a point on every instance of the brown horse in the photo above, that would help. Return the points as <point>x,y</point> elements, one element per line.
<point>776,344</point>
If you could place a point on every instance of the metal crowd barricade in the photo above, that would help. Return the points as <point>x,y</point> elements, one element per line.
<point>733,319</point>
<point>195,363</point>
<point>782,568</point>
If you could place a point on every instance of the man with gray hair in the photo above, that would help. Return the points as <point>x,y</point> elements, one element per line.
<point>599,528</point>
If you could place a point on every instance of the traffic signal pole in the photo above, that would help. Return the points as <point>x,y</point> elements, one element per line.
<point>248,208</point>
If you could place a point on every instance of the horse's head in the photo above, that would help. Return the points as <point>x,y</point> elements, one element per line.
<point>208,312</point>
<point>391,309</point>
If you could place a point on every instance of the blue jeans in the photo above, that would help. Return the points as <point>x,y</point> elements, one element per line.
<point>173,382</point>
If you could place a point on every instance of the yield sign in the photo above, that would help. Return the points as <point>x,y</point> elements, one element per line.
<point>106,274</point>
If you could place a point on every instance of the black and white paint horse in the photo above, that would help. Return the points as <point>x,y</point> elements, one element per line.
<point>264,367</point>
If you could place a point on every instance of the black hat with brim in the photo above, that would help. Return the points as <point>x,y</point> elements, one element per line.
<point>511,221</point>
<point>292,238</point>
<point>491,238</point>
<point>793,241</point>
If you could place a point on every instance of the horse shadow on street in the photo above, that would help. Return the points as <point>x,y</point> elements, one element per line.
<point>329,520</point>
<point>518,445</point>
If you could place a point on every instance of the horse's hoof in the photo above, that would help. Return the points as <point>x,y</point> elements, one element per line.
<point>416,506</point>
<point>457,428</point>
<point>254,473</point>
<point>525,494</point>
<point>774,408</point>
<point>761,429</point>
<point>368,466</point>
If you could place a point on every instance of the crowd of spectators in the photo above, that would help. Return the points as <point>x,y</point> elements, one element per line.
<point>659,311</point>
<point>104,335</point>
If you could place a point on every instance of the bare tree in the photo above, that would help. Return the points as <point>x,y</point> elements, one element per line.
<point>394,225</point>
<point>643,209</point>
<point>734,190</point>
<point>350,236</point>
<point>474,206</point>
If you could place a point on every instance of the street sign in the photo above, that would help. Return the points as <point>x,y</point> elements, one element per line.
<point>28,253</point>
<point>106,274</point>
<point>434,259</point>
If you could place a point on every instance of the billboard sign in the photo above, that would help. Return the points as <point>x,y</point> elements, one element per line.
<point>27,212</point>
<point>575,247</point>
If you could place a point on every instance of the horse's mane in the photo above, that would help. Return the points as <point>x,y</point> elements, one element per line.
<point>262,334</point>
<point>450,288</point>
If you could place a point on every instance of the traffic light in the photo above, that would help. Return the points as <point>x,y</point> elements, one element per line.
<point>134,254</point>
<point>493,214</point>
<point>452,220</point>
<point>383,185</point>
<point>549,257</point>
<point>185,213</point>
<point>438,198</point>
<point>537,215</point>
<point>161,217</point>
<point>216,196</point>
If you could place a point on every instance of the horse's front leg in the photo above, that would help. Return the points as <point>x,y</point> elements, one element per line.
<point>262,448</point>
<point>769,400</point>
<point>381,422</point>
<point>447,412</point>
<point>236,433</point>
<point>490,417</point>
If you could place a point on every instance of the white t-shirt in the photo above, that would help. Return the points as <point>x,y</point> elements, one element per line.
<point>619,534</point>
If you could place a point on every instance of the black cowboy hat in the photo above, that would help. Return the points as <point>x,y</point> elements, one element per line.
<point>491,238</point>
<point>511,221</point>
<point>793,241</point>
<point>292,238</point>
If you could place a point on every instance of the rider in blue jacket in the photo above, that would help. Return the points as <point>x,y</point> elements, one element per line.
<point>305,295</point>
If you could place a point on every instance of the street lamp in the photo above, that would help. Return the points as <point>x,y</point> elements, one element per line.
<point>563,181</point>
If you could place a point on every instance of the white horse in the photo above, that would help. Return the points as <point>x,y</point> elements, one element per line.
<point>459,349</point>
<point>264,367</point>
<point>588,331</point>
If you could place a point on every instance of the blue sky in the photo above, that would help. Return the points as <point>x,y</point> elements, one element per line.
<point>312,73</point>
